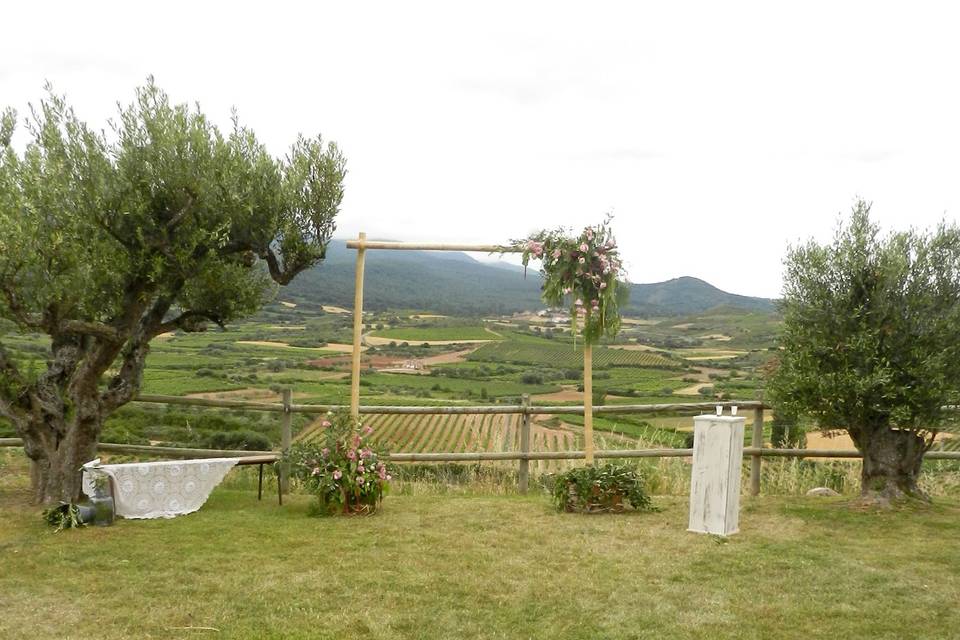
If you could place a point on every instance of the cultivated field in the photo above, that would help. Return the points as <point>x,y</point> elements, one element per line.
<point>565,355</point>
<point>460,434</point>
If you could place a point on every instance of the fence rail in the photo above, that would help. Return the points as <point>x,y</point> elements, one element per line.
<point>286,408</point>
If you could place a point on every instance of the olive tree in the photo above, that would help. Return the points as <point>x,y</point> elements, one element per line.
<point>871,343</point>
<point>110,238</point>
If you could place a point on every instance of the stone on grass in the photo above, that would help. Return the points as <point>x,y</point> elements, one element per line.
<point>822,491</point>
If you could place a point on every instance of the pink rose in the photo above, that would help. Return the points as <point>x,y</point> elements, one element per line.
<point>361,469</point>
<point>352,454</point>
<point>556,253</point>
<point>316,471</point>
<point>584,246</point>
<point>367,430</point>
<point>325,423</point>
<point>325,452</point>
<point>360,480</point>
<point>337,474</point>
<point>567,290</point>
<point>578,302</point>
<point>366,453</point>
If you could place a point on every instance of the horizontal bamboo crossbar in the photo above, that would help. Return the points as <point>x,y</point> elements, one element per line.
<point>178,452</point>
<point>212,402</point>
<point>430,246</point>
<point>452,410</point>
<point>256,457</point>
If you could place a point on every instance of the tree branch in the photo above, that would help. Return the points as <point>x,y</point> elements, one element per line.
<point>187,322</point>
<point>125,385</point>
<point>8,369</point>
<point>178,217</point>
<point>16,308</point>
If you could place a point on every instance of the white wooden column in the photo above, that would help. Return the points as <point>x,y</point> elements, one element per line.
<point>715,481</point>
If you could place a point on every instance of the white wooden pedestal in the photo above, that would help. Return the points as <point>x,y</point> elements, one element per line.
<point>715,484</point>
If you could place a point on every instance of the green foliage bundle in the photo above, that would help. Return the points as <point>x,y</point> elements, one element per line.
<point>340,469</point>
<point>587,268</point>
<point>63,516</point>
<point>600,488</point>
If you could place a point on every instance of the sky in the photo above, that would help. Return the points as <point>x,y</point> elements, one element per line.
<point>717,134</point>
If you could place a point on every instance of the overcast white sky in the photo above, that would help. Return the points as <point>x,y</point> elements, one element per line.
<point>717,133</point>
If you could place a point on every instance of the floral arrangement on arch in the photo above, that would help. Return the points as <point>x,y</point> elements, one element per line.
<point>588,269</point>
<point>340,467</point>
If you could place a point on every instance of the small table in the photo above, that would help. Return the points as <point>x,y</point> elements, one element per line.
<point>262,460</point>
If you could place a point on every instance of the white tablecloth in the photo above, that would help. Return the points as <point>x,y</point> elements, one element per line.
<point>162,489</point>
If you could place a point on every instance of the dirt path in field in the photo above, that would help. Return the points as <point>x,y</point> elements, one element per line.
<point>569,394</point>
<point>692,390</point>
<point>702,374</point>
<point>448,358</point>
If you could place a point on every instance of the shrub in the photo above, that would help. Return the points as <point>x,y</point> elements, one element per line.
<point>243,440</point>
<point>344,474</point>
<point>531,378</point>
<point>600,488</point>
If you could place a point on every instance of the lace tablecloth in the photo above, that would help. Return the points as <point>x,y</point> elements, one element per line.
<point>162,489</point>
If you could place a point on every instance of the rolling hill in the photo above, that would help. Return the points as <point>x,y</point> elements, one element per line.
<point>455,283</point>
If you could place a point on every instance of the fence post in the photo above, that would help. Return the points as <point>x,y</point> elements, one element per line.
<point>286,437</point>
<point>524,478</point>
<point>756,442</point>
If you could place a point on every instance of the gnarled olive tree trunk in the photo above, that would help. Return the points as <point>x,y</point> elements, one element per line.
<point>892,459</point>
<point>60,415</point>
<point>56,462</point>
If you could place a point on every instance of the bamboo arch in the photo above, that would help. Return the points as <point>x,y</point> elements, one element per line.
<point>361,244</point>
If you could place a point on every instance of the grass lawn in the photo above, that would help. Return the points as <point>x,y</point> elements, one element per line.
<point>482,566</point>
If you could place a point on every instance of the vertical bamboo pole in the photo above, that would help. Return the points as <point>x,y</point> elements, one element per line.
<point>755,459</point>
<point>286,438</point>
<point>357,329</point>
<point>524,475</point>
<point>588,402</point>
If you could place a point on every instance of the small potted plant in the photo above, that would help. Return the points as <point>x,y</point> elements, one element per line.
<point>341,468</point>
<point>603,488</point>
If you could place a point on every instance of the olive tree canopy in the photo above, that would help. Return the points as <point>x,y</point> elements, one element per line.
<point>110,238</point>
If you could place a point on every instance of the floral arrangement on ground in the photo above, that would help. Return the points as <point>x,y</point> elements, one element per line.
<point>341,469</point>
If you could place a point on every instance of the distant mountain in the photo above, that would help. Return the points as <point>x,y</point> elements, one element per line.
<point>455,283</point>
<point>686,295</point>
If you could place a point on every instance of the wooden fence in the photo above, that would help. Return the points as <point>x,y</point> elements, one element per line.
<point>756,451</point>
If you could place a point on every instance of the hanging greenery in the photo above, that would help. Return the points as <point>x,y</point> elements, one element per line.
<point>584,269</point>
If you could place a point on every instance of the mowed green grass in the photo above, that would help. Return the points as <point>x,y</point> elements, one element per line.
<point>480,566</point>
